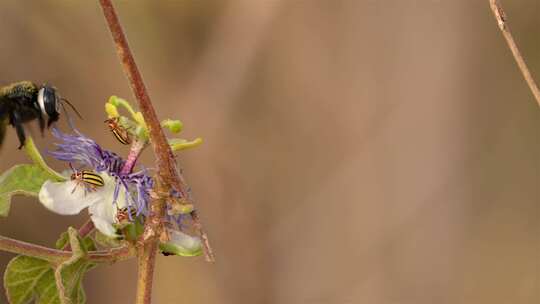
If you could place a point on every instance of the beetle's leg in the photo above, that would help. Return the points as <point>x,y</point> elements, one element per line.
<point>75,187</point>
<point>91,188</point>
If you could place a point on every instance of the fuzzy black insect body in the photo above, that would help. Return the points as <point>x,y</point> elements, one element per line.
<point>24,101</point>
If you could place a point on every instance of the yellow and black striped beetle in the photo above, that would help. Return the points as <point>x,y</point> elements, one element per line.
<point>121,134</point>
<point>123,214</point>
<point>88,179</point>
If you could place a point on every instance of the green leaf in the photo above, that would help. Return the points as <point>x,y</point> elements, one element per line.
<point>68,275</point>
<point>28,278</point>
<point>87,242</point>
<point>47,291</point>
<point>32,151</point>
<point>23,275</point>
<point>62,240</point>
<point>21,179</point>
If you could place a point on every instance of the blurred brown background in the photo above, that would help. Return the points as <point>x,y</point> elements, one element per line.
<point>355,151</point>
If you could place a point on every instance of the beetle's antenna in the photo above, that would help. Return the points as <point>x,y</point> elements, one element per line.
<point>72,106</point>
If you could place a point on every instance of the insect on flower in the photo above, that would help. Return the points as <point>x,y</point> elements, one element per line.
<point>121,133</point>
<point>124,215</point>
<point>86,178</point>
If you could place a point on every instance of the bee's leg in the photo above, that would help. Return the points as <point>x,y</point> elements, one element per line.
<point>3,126</point>
<point>17,123</point>
<point>41,124</point>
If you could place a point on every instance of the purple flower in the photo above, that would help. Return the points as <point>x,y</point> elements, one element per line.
<point>79,149</point>
<point>120,191</point>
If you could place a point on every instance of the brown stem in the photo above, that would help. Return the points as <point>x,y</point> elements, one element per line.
<point>168,177</point>
<point>159,142</point>
<point>146,253</point>
<point>168,174</point>
<point>33,250</point>
<point>112,255</point>
<point>502,21</point>
<point>57,256</point>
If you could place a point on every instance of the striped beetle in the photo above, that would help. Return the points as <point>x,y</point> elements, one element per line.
<point>86,178</point>
<point>121,134</point>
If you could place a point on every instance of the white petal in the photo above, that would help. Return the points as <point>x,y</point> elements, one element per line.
<point>103,211</point>
<point>104,226</point>
<point>66,198</point>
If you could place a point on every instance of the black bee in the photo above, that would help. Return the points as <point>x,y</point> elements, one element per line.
<point>25,101</point>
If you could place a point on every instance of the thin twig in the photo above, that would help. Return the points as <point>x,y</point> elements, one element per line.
<point>112,255</point>
<point>86,228</point>
<point>502,21</point>
<point>33,250</point>
<point>57,256</point>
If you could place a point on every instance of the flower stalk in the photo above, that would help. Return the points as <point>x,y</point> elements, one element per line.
<point>136,149</point>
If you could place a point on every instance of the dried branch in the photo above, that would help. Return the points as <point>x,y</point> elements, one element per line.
<point>502,21</point>
<point>33,250</point>
<point>168,176</point>
<point>57,256</point>
<point>159,143</point>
